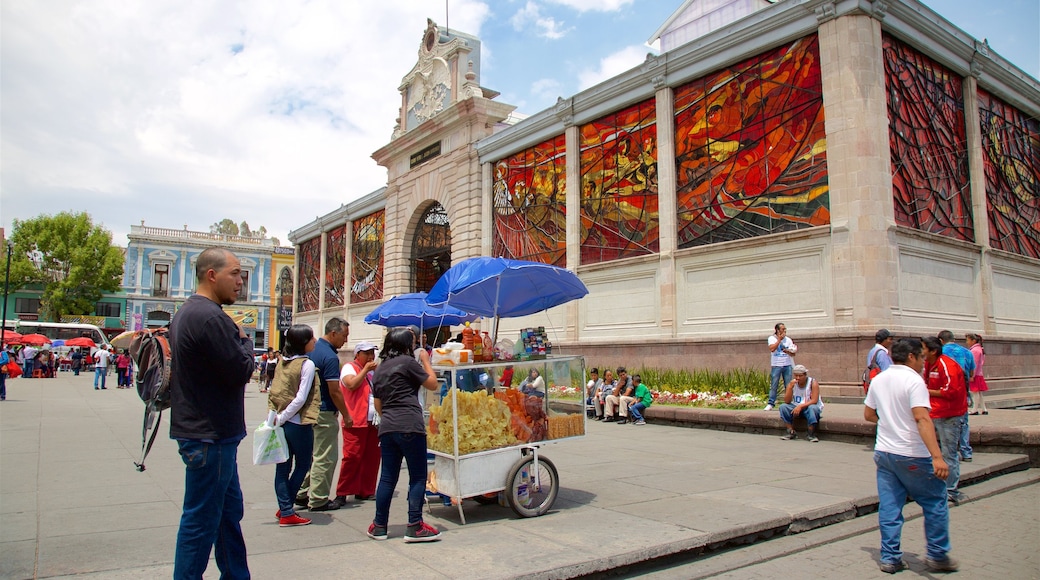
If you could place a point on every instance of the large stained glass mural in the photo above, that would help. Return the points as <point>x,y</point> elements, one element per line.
<point>750,148</point>
<point>927,142</point>
<point>619,217</point>
<point>1011,158</point>
<point>530,204</point>
<point>310,275</point>
<point>366,272</point>
<point>335,266</point>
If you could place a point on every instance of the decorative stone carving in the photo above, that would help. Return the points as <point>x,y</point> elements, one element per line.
<point>564,110</point>
<point>825,12</point>
<point>976,66</point>
<point>429,88</point>
<point>471,88</point>
<point>879,9</point>
<point>658,82</point>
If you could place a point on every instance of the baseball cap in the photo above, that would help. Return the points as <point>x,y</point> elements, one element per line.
<point>364,345</point>
<point>882,335</point>
<point>799,370</point>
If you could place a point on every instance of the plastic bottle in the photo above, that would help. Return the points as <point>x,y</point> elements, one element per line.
<point>522,495</point>
<point>467,337</point>
<point>478,349</point>
<point>489,349</point>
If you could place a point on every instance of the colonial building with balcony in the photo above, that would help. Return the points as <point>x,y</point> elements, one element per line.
<point>159,275</point>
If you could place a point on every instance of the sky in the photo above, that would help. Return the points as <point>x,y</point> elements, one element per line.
<point>183,113</point>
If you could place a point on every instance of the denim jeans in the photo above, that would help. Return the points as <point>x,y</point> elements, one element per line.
<point>949,432</point>
<point>897,477</point>
<point>812,413</point>
<point>99,372</point>
<point>393,447</point>
<point>965,446</point>
<point>27,368</point>
<point>637,411</point>
<point>3,386</point>
<point>213,509</point>
<point>300,439</point>
<point>774,378</point>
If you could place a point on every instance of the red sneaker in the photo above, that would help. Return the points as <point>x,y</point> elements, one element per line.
<point>421,532</point>
<point>293,520</point>
<point>377,532</point>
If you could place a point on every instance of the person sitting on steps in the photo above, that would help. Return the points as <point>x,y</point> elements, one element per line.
<point>802,399</point>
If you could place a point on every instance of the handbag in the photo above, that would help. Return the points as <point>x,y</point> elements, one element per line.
<point>269,444</point>
<point>13,370</point>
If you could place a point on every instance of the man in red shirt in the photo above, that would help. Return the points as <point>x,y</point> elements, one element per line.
<point>949,401</point>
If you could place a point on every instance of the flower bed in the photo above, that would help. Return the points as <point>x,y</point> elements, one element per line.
<point>723,400</point>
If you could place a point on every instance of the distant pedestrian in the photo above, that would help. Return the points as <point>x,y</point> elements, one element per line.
<point>949,404</point>
<point>966,361</point>
<point>212,364</point>
<point>273,356</point>
<point>101,359</point>
<point>122,363</point>
<point>978,385</point>
<point>27,356</point>
<point>878,355</point>
<point>802,399</point>
<point>5,357</point>
<point>77,361</point>
<point>908,459</point>
<point>402,432</point>
<point>294,396</point>
<point>781,349</point>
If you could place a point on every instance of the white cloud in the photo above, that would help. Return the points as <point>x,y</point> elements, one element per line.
<point>546,89</point>
<point>188,113</point>
<point>547,26</point>
<point>612,65</point>
<point>593,5</point>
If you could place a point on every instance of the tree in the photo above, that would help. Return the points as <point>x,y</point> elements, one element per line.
<point>70,257</point>
<point>224,226</point>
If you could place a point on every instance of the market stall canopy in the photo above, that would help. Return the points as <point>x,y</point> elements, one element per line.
<point>58,342</point>
<point>499,287</point>
<point>12,337</point>
<point>80,341</point>
<point>413,309</point>
<point>34,339</point>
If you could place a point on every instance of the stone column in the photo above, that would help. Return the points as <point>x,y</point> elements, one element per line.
<point>977,183</point>
<point>572,144</point>
<point>666,202</point>
<point>865,256</point>
<point>487,210</point>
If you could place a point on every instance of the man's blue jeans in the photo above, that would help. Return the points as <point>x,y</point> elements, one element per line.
<point>213,509</point>
<point>99,372</point>
<point>897,477</point>
<point>636,409</point>
<point>27,368</point>
<point>300,439</point>
<point>965,446</point>
<point>774,377</point>
<point>393,447</point>
<point>949,432</point>
<point>812,413</point>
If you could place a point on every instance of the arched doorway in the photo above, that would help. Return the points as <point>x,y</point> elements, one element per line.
<point>431,256</point>
<point>431,248</point>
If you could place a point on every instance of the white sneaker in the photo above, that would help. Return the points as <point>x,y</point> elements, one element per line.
<point>768,408</point>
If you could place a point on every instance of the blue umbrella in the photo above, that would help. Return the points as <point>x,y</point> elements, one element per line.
<point>58,342</point>
<point>413,309</point>
<point>500,287</point>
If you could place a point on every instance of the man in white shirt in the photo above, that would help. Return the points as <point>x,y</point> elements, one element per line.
<point>101,366</point>
<point>781,349</point>
<point>908,459</point>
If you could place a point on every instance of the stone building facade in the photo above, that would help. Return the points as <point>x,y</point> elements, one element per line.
<point>838,166</point>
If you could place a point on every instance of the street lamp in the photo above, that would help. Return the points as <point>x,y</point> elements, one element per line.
<point>7,282</point>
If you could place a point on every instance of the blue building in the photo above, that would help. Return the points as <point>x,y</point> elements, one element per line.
<point>159,275</point>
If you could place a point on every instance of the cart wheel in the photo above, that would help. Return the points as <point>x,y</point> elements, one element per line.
<point>525,500</point>
<point>487,499</point>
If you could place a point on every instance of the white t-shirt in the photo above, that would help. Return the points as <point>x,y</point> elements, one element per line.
<point>101,358</point>
<point>893,394</point>
<point>779,358</point>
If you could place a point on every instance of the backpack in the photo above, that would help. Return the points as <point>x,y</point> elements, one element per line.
<point>150,352</point>
<point>871,371</point>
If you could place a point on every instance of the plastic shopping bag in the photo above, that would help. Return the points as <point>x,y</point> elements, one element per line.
<point>269,444</point>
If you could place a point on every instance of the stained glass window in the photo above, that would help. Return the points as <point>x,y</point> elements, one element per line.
<point>619,215</point>
<point>431,248</point>
<point>366,276</point>
<point>751,148</point>
<point>310,275</point>
<point>927,142</point>
<point>530,204</point>
<point>1011,157</point>
<point>335,266</point>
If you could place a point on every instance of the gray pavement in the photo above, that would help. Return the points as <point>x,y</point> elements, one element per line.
<point>71,502</point>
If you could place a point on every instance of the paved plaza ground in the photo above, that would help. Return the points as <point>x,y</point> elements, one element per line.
<point>72,505</point>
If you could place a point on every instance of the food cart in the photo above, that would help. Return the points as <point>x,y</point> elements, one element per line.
<point>486,437</point>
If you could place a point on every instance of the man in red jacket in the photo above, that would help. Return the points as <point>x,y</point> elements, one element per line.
<point>949,400</point>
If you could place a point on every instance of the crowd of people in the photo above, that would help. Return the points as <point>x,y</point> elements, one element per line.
<point>46,363</point>
<point>621,400</point>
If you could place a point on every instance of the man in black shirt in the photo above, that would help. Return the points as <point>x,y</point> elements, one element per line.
<point>212,363</point>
